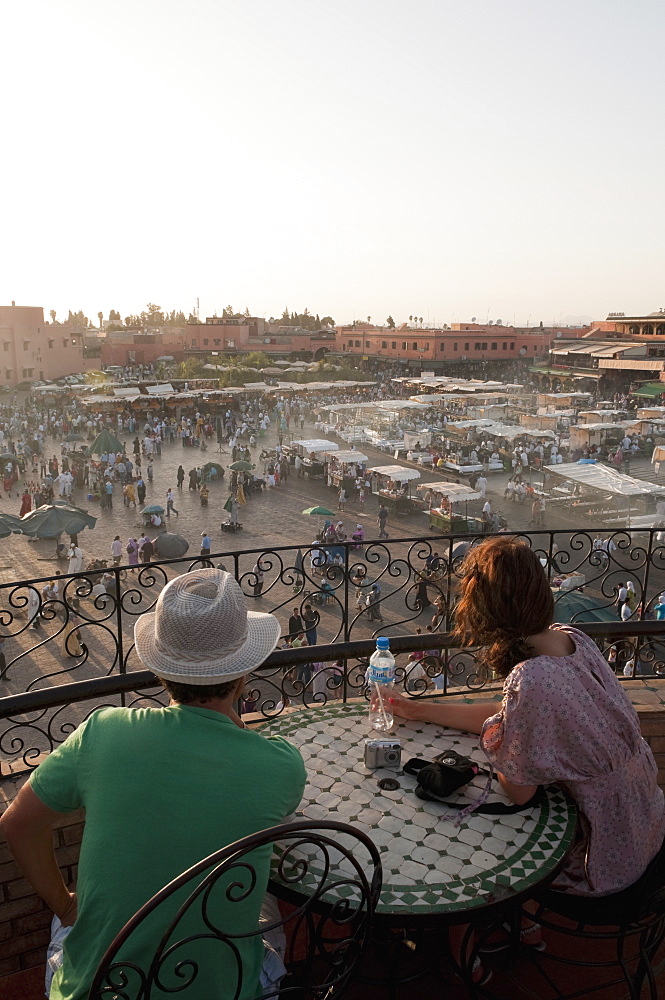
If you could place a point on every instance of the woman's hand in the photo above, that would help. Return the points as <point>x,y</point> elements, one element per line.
<point>406,708</point>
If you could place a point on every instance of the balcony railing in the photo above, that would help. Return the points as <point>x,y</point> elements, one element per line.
<point>68,655</point>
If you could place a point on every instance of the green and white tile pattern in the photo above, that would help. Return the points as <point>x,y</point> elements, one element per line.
<point>429,864</point>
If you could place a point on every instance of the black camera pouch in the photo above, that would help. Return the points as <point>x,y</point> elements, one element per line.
<point>445,775</point>
<point>448,773</point>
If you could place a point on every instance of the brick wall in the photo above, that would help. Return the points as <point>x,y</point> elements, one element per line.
<point>25,921</point>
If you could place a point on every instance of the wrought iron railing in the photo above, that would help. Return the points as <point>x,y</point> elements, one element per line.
<point>70,653</point>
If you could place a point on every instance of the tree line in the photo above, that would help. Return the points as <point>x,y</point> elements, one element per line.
<point>154,315</point>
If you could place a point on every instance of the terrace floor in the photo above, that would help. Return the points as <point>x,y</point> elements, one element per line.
<point>518,981</point>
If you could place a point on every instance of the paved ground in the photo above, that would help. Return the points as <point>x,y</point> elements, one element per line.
<point>272,518</point>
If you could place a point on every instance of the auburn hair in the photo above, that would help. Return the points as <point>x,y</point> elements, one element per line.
<point>504,598</point>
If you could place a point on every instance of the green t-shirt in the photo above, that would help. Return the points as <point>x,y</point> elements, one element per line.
<point>162,789</point>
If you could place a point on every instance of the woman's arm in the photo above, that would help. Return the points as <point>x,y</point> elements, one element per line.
<point>470,718</point>
<point>517,793</point>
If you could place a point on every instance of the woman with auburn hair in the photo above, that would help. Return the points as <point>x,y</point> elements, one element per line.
<point>564,718</point>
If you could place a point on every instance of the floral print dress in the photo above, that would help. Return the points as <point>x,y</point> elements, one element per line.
<point>566,719</point>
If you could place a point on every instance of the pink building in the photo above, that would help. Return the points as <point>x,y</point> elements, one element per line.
<point>464,342</point>
<point>31,349</point>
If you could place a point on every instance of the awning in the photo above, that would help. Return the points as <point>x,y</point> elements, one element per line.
<point>397,472</point>
<point>453,491</point>
<point>604,478</point>
<point>650,389</point>
<point>316,444</point>
<point>345,457</point>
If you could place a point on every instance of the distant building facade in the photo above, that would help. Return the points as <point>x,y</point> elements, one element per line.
<point>650,325</point>
<point>31,349</point>
<point>467,346</point>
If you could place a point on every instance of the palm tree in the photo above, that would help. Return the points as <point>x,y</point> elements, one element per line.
<point>52,315</point>
<point>410,319</point>
<point>369,319</point>
<point>421,322</point>
<point>100,317</point>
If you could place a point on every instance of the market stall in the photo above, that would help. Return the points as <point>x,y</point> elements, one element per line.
<point>393,487</point>
<point>313,453</point>
<point>598,490</point>
<point>343,468</point>
<point>444,508</point>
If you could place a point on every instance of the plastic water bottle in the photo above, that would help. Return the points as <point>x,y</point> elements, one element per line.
<point>381,680</point>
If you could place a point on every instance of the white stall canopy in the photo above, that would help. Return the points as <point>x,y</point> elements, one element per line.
<point>602,477</point>
<point>453,491</point>
<point>345,457</point>
<point>316,445</point>
<point>398,473</point>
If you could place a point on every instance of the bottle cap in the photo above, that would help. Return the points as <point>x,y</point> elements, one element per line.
<point>383,642</point>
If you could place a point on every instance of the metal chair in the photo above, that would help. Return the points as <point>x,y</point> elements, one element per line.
<point>194,933</point>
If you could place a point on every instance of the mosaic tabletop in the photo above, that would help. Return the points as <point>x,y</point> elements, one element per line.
<point>430,865</point>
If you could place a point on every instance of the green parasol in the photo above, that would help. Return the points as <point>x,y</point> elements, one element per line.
<point>318,511</point>
<point>50,520</point>
<point>104,443</point>
<point>242,466</point>
<point>212,470</point>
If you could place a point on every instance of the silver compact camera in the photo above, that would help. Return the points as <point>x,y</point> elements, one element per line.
<point>383,753</point>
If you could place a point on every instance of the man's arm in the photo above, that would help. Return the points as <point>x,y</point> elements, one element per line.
<point>28,828</point>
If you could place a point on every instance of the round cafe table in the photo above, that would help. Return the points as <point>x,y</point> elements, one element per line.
<point>431,867</point>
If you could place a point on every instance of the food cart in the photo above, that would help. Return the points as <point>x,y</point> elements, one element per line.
<point>344,468</point>
<point>313,454</point>
<point>393,487</point>
<point>444,498</point>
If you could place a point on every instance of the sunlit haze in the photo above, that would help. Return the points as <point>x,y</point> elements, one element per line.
<point>496,159</point>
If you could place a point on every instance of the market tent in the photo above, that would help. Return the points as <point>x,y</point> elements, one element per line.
<point>399,473</point>
<point>603,478</point>
<point>453,491</point>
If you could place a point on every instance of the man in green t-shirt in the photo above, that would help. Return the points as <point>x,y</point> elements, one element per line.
<point>162,788</point>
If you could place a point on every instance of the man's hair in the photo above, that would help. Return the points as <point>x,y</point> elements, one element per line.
<point>185,693</point>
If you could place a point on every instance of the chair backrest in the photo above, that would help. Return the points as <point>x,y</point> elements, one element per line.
<point>328,872</point>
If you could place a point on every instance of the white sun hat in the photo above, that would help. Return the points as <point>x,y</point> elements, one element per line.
<point>201,631</point>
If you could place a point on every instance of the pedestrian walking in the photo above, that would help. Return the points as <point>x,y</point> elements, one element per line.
<point>341,499</point>
<point>75,556</point>
<point>257,572</point>
<point>132,550</point>
<point>206,542</point>
<point>147,551</point>
<point>180,477</point>
<point>381,521</point>
<point>116,550</point>
<point>170,498</point>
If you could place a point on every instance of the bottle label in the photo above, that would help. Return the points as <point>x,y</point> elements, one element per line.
<point>380,675</point>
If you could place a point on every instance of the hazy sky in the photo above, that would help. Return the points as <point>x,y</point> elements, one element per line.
<point>504,158</point>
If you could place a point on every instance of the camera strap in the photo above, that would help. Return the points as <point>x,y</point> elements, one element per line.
<point>450,773</point>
